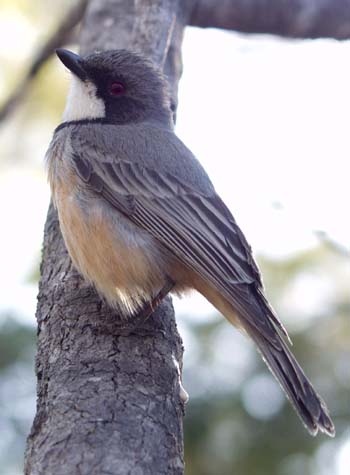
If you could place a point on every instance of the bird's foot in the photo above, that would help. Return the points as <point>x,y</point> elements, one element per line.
<point>136,326</point>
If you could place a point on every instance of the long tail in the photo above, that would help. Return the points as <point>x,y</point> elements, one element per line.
<point>268,334</point>
<point>308,404</point>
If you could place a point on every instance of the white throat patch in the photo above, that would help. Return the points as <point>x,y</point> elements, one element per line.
<point>82,102</point>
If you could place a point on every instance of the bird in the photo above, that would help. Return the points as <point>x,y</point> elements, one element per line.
<point>141,218</point>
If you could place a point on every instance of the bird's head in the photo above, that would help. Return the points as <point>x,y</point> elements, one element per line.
<point>118,86</point>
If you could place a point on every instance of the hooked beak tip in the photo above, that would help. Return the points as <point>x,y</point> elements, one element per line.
<point>73,62</point>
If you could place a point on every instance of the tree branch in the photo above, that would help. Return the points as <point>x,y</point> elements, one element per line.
<point>107,403</point>
<point>290,18</point>
<point>60,36</point>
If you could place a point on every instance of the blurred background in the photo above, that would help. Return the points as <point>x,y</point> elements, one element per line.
<point>268,118</point>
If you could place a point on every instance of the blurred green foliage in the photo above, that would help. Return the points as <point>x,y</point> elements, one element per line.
<point>225,436</point>
<point>17,391</point>
<point>16,342</point>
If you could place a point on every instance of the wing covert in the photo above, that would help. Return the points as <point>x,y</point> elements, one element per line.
<point>198,228</point>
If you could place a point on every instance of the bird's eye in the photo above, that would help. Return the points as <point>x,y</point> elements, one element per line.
<point>116,89</point>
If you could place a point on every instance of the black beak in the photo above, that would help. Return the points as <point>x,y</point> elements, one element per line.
<point>73,62</point>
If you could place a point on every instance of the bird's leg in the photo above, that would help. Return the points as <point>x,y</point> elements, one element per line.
<point>150,307</point>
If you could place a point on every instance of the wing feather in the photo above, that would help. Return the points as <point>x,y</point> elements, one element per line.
<point>198,228</point>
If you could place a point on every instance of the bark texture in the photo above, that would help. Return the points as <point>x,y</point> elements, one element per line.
<point>290,18</point>
<point>107,403</point>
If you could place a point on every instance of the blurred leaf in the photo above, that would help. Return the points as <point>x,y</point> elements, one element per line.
<point>16,341</point>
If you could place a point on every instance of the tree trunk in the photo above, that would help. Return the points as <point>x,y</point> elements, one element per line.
<point>107,403</point>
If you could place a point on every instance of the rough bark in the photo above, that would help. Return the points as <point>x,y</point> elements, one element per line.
<point>107,403</point>
<point>290,18</point>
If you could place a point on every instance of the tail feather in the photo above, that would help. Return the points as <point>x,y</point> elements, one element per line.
<point>276,354</point>
<point>308,404</point>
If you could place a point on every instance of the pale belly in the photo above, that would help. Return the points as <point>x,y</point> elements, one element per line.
<point>124,263</point>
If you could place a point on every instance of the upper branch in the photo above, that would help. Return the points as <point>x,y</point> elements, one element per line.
<point>58,38</point>
<point>290,18</point>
